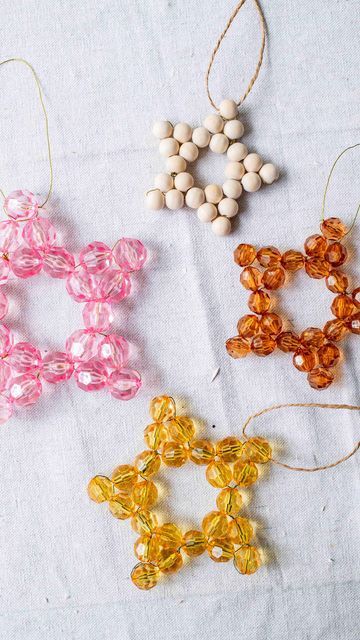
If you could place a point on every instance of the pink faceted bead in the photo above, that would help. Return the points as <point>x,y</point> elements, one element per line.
<point>82,345</point>
<point>25,389</point>
<point>96,257</point>
<point>10,235</point>
<point>124,384</point>
<point>4,305</point>
<point>98,315</point>
<point>39,233</point>
<point>24,357</point>
<point>6,340</point>
<point>114,351</point>
<point>57,367</point>
<point>4,270</point>
<point>81,286</point>
<point>21,205</point>
<point>91,375</point>
<point>26,262</point>
<point>5,375</point>
<point>5,409</point>
<point>58,262</point>
<point>130,254</point>
<point>114,285</point>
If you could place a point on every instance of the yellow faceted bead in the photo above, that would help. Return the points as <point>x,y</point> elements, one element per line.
<point>145,576</point>
<point>229,449</point>
<point>256,450</point>
<point>245,473</point>
<point>100,489</point>
<point>147,463</point>
<point>247,560</point>
<point>145,494</point>
<point>181,429</point>
<point>194,543</point>
<point>162,409</point>
<point>147,548</point>
<point>240,531</point>
<point>155,435</point>
<point>215,525</point>
<point>174,454</point>
<point>220,550</point>
<point>201,451</point>
<point>229,501</point>
<point>169,561</point>
<point>169,535</point>
<point>124,477</point>
<point>218,474</point>
<point>144,522</point>
<point>121,506</point>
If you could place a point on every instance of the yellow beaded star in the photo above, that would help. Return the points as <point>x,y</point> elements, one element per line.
<point>231,465</point>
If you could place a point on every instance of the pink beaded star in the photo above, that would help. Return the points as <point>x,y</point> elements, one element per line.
<point>100,278</point>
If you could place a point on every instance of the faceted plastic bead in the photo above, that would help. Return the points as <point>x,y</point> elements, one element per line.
<point>248,326</point>
<point>24,357</point>
<point>39,233</point>
<point>320,378</point>
<point>268,257</point>
<point>4,270</point>
<point>145,576</point>
<point>229,449</point>
<point>273,278</point>
<point>312,338</point>
<point>21,205</point>
<point>155,435</point>
<point>100,489</point>
<point>271,324</point>
<point>215,525</point>
<point>98,315</point>
<point>337,282</point>
<point>5,375</point>
<point>259,302</point>
<point>194,543</point>
<point>229,501</point>
<point>124,477</point>
<point>220,550</point>
<point>342,306</point>
<point>162,409</point>
<point>333,229</point>
<point>96,257</point>
<point>250,278</point>
<point>354,323</point>
<point>244,255</point>
<point>81,345</point>
<point>174,454</point>
<point>304,359</point>
<point>147,548</point>
<point>122,507</point>
<point>202,451</point>
<point>81,285</point>
<point>59,263</point>
<point>169,536</point>
<point>144,522</point>
<point>181,429</point>
<point>315,246</point>
<point>237,347</point>
<point>145,494</point>
<point>263,345</point>
<point>247,560</point>
<point>6,409</point>
<point>317,268</point>
<point>25,389</point>
<point>124,384</point>
<point>4,305</point>
<point>257,450</point>
<point>147,463</point>
<point>113,285</point>
<point>336,254</point>
<point>292,260</point>
<point>356,297</point>
<point>288,341</point>
<point>335,330</point>
<point>114,351</point>
<point>169,561</point>
<point>91,375</point>
<point>328,355</point>
<point>130,254</point>
<point>6,340</point>
<point>10,236</point>
<point>26,262</point>
<point>245,473</point>
<point>218,474</point>
<point>240,531</point>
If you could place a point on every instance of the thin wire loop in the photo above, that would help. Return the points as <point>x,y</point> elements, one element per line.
<point>328,183</point>
<point>218,45</point>
<point>37,81</point>
<point>349,407</point>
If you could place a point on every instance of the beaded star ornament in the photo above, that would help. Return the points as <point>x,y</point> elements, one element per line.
<point>99,278</point>
<point>220,132</point>
<point>231,467</point>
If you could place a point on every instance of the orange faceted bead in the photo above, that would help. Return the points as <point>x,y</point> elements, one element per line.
<point>220,550</point>
<point>245,473</point>
<point>312,338</point>
<point>145,576</point>
<point>174,454</point>
<point>317,268</point>
<point>250,278</point>
<point>194,543</point>
<point>237,347</point>
<point>336,254</point>
<point>320,378</point>
<point>288,341</point>
<point>229,449</point>
<point>244,255</point>
<point>304,359</point>
<point>202,451</point>
<point>248,326</point>
<point>268,257</point>
<point>259,302</point>
<point>218,474</point>
<point>215,525</point>
<point>354,323</point>
<point>147,463</point>
<point>271,324</point>
<point>333,229</point>
<point>335,330</point>
<point>240,531</point>
<point>356,297</point>
<point>273,278</point>
<point>229,501</point>
<point>292,260</point>
<point>315,246</point>
<point>342,306</point>
<point>247,560</point>
<point>256,449</point>
<point>328,355</point>
<point>263,345</point>
<point>337,282</point>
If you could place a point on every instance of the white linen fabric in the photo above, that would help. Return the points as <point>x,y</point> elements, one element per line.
<point>109,70</point>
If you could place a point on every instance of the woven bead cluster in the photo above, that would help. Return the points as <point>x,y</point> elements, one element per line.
<point>101,278</point>
<point>231,465</point>
<point>180,145</point>
<point>314,350</point>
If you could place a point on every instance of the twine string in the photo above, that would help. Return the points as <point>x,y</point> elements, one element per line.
<point>48,143</point>
<point>218,45</point>
<point>328,183</point>
<point>348,407</point>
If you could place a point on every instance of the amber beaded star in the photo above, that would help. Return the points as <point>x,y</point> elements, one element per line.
<point>314,350</point>
<point>132,494</point>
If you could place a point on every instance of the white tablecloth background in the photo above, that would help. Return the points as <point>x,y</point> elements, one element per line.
<point>108,70</point>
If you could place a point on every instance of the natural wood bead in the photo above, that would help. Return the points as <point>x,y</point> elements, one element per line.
<point>183,181</point>
<point>213,193</point>
<point>269,173</point>
<point>288,341</point>
<point>201,137</point>
<point>175,164</point>
<point>207,212</point>
<point>214,123</point>
<point>336,254</point>
<point>182,132</point>
<point>174,199</point>
<point>315,246</point>
<point>328,355</point>
<point>335,330</point>
<point>228,207</point>
<point>342,306</point>
<point>337,282</point>
<point>237,347</point>
<point>244,255</point>
<point>273,278</point>
<point>155,200</point>
<point>249,326</point>
<point>312,338</point>
<point>304,359</point>
<point>228,109</point>
<point>271,324</point>
<point>232,189</point>
<point>168,147</point>
<point>250,278</point>
<point>194,197</point>
<point>259,302</point>
<point>333,229</point>
<point>263,345</point>
<point>320,378</point>
<point>219,143</point>
<point>355,294</point>
<point>354,323</point>
<point>189,151</point>
<point>292,260</point>
<point>162,129</point>
<point>164,182</point>
<point>268,257</point>
<point>237,152</point>
<point>221,226</point>
<point>234,170</point>
<point>233,129</point>
<point>251,182</point>
<point>253,162</point>
<point>317,268</point>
